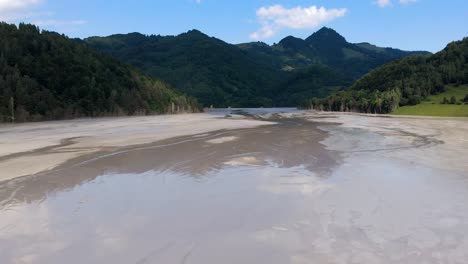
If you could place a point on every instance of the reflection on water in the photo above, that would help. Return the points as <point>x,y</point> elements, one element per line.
<point>288,144</point>
<point>160,216</point>
<point>265,195</point>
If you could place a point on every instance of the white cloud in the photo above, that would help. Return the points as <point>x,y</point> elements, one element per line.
<point>198,1</point>
<point>407,1</point>
<point>11,10</point>
<point>387,3</point>
<point>58,23</point>
<point>14,11</point>
<point>383,3</point>
<point>276,18</point>
<point>16,5</point>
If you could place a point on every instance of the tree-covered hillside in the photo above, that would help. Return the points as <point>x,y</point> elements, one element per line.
<point>214,72</point>
<point>315,81</point>
<point>44,75</point>
<point>327,48</point>
<point>251,74</point>
<point>407,81</point>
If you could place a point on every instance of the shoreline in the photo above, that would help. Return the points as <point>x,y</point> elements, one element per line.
<point>390,115</point>
<point>32,148</point>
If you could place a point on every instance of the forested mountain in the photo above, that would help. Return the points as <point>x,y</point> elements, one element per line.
<point>250,74</point>
<point>403,82</point>
<point>44,75</point>
<point>314,81</point>
<point>214,72</point>
<point>328,48</point>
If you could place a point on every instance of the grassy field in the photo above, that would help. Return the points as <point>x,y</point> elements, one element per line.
<point>432,106</point>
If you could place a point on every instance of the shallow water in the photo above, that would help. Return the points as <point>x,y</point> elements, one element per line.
<point>272,194</point>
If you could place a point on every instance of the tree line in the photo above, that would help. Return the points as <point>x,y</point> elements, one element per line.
<point>46,76</point>
<point>407,81</point>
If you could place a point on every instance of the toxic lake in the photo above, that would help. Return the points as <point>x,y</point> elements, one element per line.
<point>235,186</point>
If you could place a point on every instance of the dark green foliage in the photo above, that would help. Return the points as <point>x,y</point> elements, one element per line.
<point>213,71</point>
<point>315,81</point>
<point>412,79</point>
<point>44,75</point>
<point>252,74</point>
<point>327,48</point>
<point>453,100</point>
<point>465,100</point>
<point>358,101</point>
<point>445,101</point>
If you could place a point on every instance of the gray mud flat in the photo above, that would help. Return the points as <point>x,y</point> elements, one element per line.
<point>294,192</point>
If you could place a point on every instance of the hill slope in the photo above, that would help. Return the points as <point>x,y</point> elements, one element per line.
<point>44,75</point>
<point>215,72</point>
<point>328,48</point>
<point>404,82</point>
<point>249,74</point>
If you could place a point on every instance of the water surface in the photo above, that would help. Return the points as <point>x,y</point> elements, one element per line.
<point>286,193</point>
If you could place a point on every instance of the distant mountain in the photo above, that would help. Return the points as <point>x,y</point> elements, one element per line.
<point>249,74</point>
<point>45,75</point>
<point>407,81</point>
<point>209,69</point>
<point>328,48</point>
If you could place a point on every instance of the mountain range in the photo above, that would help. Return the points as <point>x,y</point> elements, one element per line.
<point>45,75</point>
<point>251,74</point>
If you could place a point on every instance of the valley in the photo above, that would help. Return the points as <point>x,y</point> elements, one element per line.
<point>221,132</point>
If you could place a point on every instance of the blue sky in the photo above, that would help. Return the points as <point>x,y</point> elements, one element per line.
<point>406,24</point>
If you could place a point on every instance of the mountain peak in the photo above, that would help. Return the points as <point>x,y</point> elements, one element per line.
<point>194,33</point>
<point>291,42</point>
<point>326,35</point>
<point>290,39</point>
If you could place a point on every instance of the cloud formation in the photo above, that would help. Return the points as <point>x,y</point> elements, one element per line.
<point>383,3</point>
<point>16,5</point>
<point>58,23</point>
<point>407,1</point>
<point>16,9</point>
<point>386,3</point>
<point>276,18</point>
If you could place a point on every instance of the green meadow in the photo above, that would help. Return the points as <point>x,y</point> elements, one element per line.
<point>432,105</point>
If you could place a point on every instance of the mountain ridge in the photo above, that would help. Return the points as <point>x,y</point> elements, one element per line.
<point>404,82</point>
<point>248,74</point>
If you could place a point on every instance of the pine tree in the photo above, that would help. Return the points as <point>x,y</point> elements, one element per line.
<point>12,109</point>
<point>453,100</point>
